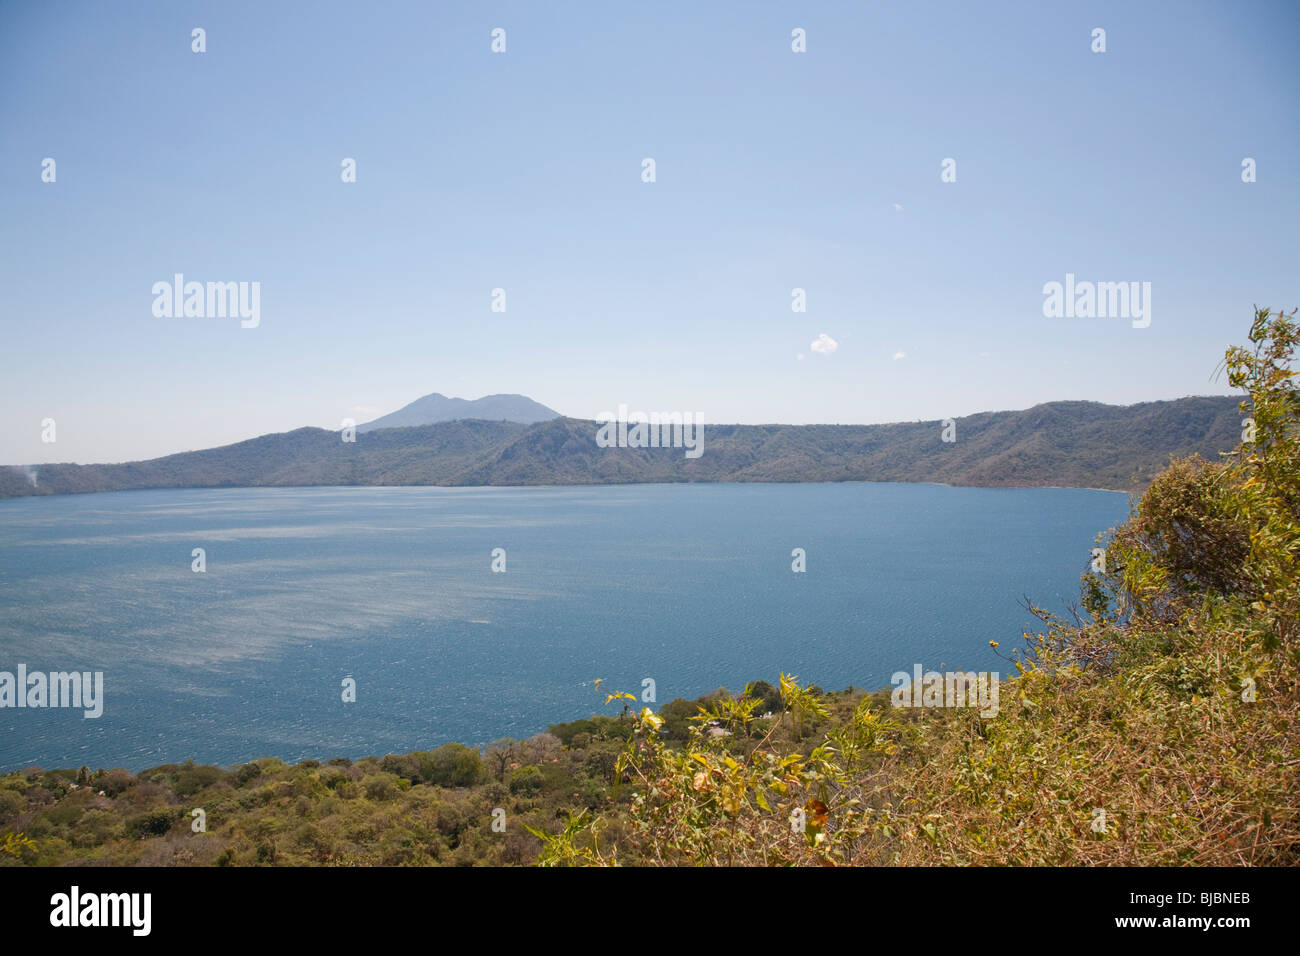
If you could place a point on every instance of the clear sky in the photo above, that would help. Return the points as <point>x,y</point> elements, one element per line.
<point>522,170</point>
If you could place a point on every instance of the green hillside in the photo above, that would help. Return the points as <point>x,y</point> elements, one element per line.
<point>1067,444</point>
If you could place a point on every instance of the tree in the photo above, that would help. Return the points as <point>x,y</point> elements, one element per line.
<point>527,781</point>
<point>499,755</point>
<point>454,765</point>
<point>539,749</point>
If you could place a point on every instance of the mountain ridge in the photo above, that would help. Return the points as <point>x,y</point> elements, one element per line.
<point>1054,444</point>
<point>435,407</point>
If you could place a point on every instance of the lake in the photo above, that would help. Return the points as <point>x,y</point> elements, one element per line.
<point>687,584</point>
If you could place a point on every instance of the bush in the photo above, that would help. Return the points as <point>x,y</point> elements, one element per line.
<point>527,781</point>
<point>454,765</point>
<point>404,765</point>
<point>152,822</point>
<point>116,782</point>
<point>11,804</point>
<point>566,732</point>
<point>191,779</point>
<point>380,786</point>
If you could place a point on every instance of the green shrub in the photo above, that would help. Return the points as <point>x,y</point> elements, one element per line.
<point>11,804</point>
<point>454,765</point>
<point>154,822</point>
<point>526,781</point>
<point>380,786</point>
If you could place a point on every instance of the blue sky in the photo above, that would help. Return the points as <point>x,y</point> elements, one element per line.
<point>522,171</point>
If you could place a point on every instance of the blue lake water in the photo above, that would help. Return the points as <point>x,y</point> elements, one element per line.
<point>688,584</point>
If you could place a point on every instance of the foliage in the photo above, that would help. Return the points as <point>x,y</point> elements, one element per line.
<point>15,844</point>
<point>423,808</point>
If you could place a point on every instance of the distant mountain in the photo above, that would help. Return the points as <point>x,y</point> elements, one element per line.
<point>1068,444</point>
<point>439,408</point>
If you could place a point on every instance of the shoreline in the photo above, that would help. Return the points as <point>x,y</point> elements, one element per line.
<point>570,484</point>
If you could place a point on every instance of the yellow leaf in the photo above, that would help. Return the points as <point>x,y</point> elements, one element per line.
<point>731,801</point>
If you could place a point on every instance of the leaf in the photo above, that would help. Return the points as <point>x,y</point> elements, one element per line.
<point>819,813</point>
<point>731,801</point>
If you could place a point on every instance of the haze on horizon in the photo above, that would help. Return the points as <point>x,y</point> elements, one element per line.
<point>522,171</point>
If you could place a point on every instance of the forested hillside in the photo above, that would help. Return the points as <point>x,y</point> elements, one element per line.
<point>1068,444</point>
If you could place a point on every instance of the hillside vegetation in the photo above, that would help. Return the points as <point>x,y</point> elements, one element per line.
<point>1158,726</point>
<point>1066,444</point>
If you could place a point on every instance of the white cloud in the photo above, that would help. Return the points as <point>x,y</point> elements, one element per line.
<point>899,355</point>
<point>824,345</point>
<point>801,356</point>
<point>898,207</point>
